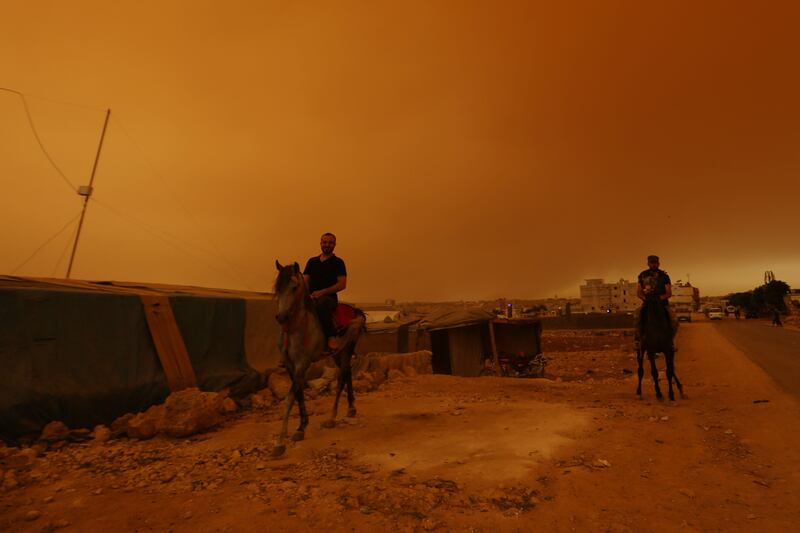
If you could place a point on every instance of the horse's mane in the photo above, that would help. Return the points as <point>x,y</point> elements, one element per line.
<point>285,276</point>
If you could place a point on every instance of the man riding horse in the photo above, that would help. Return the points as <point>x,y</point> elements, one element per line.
<point>655,326</point>
<point>325,276</point>
<point>654,283</point>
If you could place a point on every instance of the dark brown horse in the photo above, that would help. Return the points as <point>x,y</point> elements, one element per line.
<point>302,341</point>
<point>654,333</point>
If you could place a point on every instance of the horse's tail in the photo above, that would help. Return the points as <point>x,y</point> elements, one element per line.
<point>353,332</point>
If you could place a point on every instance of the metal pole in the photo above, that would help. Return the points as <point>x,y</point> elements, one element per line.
<point>88,193</point>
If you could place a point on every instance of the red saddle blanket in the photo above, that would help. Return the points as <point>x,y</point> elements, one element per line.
<point>343,315</point>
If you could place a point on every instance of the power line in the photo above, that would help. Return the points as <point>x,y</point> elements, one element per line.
<point>64,102</point>
<point>61,257</point>
<point>38,139</point>
<point>48,241</point>
<point>155,232</point>
<point>176,198</point>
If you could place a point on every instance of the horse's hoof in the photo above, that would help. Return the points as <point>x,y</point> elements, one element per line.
<point>278,450</point>
<point>351,412</point>
<point>298,436</point>
<point>328,424</point>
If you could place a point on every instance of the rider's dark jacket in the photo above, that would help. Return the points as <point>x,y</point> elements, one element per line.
<point>657,281</point>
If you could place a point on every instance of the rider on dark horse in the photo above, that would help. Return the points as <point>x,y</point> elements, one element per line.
<point>326,275</point>
<point>654,283</point>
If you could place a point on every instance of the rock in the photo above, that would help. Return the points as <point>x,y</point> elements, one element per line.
<point>319,385</point>
<point>378,377</point>
<point>61,524</point>
<point>229,406</point>
<point>54,431</point>
<point>10,481</point>
<point>664,418</point>
<point>236,456</point>
<point>48,499</point>
<point>261,466</point>
<point>602,463</point>
<point>22,459</point>
<point>688,493</point>
<point>362,385</point>
<point>410,371</point>
<point>279,383</point>
<point>145,425</point>
<point>258,402</point>
<point>190,411</point>
<point>394,375</point>
<point>330,373</point>
<point>101,434</point>
<point>121,423</point>
<point>32,515</point>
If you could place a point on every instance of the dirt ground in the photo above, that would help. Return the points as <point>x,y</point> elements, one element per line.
<point>575,451</point>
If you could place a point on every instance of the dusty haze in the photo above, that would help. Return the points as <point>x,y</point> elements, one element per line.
<point>458,150</point>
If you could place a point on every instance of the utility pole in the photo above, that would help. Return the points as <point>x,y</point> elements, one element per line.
<point>86,192</point>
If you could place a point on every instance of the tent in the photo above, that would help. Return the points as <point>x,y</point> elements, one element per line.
<point>86,352</point>
<point>462,339</point>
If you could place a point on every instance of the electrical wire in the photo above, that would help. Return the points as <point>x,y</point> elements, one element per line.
<point>48,241</point>
<point>38,139</point>
<point>165,238</point>
<point>175,197</point>
<point>61,257</point>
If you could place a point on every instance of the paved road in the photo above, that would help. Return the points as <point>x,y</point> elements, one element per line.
<point>776,350</point>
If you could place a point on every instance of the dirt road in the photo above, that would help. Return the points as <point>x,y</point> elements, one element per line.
<point>776,350</point>
<point>576,452</point>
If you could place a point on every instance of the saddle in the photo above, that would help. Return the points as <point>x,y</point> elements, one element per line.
<point>343,316</point>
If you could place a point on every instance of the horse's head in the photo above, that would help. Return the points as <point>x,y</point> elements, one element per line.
<point>289,290</point>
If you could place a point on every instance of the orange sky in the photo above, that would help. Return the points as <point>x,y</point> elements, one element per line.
<point>457,149</point>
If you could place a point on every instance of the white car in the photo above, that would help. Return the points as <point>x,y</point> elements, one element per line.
<point>715,313</point>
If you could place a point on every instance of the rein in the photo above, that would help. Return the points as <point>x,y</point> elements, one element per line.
<point>299,299</point>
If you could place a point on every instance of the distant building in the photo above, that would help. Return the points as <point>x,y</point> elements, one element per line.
<point>597,296</point>
<point>685,295</point>
<point>794,297</point>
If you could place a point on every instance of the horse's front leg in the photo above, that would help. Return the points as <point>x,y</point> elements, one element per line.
<point>300,381</point>
<point>640,371</point>
<point>280,446</point>
<point>654,372</point>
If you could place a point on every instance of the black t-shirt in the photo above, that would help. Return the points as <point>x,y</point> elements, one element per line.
<point>656,281</point>
<point>323,274</point>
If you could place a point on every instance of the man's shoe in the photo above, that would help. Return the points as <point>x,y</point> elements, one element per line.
<point>333,343</point>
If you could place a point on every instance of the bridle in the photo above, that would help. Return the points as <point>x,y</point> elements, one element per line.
<point>299,297</point>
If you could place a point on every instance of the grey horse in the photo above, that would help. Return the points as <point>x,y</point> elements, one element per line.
<point>302,341</point>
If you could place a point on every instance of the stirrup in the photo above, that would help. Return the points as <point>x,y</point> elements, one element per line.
<point>332,344</point>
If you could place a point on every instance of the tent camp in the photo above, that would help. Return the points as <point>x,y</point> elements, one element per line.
<point>461,340</point>
<point>86,352</point>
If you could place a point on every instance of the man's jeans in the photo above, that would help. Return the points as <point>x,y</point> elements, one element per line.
<point>326,306</point>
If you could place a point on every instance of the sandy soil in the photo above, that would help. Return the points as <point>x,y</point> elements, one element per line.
<point>576,451</point>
